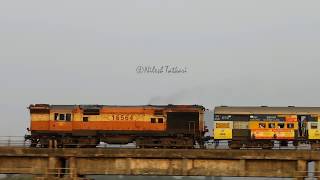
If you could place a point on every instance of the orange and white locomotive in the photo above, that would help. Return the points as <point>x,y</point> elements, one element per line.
<point>88,125</point>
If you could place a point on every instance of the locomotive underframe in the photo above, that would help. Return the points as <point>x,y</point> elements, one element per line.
<point>92,139</point>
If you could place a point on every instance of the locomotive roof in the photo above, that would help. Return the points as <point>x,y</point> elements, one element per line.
<point>266,110</point>
<point>111,106</point>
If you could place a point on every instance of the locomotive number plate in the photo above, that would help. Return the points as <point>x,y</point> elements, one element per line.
<point>122,117</point>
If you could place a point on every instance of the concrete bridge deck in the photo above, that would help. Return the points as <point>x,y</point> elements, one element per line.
<point>75,163</point>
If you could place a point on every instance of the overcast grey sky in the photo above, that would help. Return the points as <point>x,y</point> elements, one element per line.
<point>236,53</point>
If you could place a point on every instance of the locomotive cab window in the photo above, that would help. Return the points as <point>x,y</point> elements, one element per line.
<point>68,117</point>
<point>56,116</point>
<point>153,120</point>
<point>62,117</point>
<point>85,119</point>
<point>160,120</point>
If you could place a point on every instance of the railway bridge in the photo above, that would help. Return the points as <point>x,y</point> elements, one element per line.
<point>77,163</point>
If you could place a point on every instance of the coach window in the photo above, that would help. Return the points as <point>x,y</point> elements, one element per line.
<point>160,120</point>
<point>290,125</point>
<point>272,125</point>
<point>280,125</point>
<point>262,125</point>
<point>314,125</point>
<point>153,120</point>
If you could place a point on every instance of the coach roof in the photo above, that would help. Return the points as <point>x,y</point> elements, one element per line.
<point>266,110</point>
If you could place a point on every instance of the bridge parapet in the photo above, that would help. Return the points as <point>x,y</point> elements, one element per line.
<point>75,163</point>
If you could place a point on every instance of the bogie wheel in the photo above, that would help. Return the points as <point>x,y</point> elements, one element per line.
<point>268,145</point>
<point>235,145</point>
<point>284,143</point>
<point>315,146</point>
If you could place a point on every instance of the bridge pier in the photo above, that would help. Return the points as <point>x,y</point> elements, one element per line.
<point>242,168</point>
<point>59,168</point>
<point>53,167</point>
<point>72,168</point>
<point>317,170</point>
<point>302,170</point>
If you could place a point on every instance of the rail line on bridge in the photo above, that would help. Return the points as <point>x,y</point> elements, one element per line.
<point>18,141</point>
<point>76,163</point>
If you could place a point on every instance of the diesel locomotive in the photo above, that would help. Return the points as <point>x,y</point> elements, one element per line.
<point>170,126</point>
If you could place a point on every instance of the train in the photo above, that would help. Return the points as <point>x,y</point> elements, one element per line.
<point>172,126</point>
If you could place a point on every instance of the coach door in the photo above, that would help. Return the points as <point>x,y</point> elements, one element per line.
<point>302,125</point>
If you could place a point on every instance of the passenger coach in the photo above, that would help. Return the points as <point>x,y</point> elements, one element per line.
<point>254,127</point>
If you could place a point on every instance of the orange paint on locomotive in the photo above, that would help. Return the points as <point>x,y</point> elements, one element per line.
<point>109,119</point>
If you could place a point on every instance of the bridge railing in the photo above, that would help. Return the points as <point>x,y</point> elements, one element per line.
<point>19,141</point>
<point>13,141</point>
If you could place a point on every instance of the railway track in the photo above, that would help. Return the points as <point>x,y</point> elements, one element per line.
<point>18,141</point>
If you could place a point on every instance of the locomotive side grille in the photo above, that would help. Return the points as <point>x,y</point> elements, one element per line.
<point>158,112</point>
<point>91,112</point>
<point>39,111</point>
